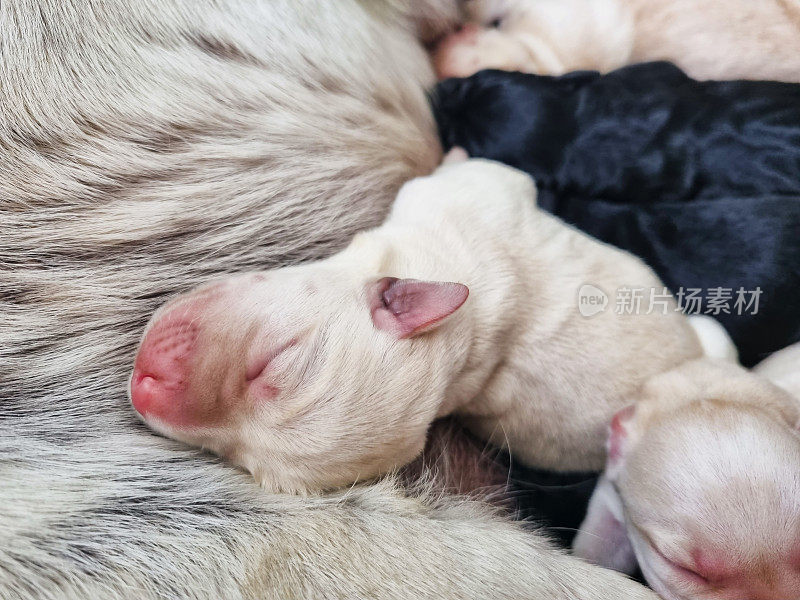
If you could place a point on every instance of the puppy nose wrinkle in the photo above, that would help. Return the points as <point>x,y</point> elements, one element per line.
<point>163,366</point>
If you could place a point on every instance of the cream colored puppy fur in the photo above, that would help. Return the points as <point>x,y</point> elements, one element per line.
<point>702,485</point>
<point>709,39</point>
<point>351,398</point>
<point>783,369</point>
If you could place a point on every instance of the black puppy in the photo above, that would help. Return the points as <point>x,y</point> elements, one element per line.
<point>700,179</point>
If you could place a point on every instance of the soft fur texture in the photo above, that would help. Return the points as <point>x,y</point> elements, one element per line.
<point>710,39</point>
<point>701,180</point>
<point>783,369</point>
<point>355,391</point>
<point>150,145</point>
<point>702,487</point>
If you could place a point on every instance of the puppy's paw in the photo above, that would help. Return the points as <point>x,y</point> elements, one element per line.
<point>456,155</point>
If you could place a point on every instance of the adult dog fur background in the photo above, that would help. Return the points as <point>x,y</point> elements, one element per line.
<point>144,147</point>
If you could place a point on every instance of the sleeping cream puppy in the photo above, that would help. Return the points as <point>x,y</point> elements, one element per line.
<point>465,302</point>
<point>702,485</point>
<point>709,39</point>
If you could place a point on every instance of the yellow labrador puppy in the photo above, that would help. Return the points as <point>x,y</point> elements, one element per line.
<point>709,39</point>
<point>702,484</point>
<point>464,302</point>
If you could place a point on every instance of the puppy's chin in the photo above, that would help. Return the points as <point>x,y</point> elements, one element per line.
<point>650,571</point>
<point>301,480</point>
<point>287,481</point>
<point>659,587</point>
<point>291,487</point>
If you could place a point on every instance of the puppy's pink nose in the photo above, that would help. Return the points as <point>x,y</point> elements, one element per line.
<point>467,33</point>
<point>770,578</point>
<point>163,366</point>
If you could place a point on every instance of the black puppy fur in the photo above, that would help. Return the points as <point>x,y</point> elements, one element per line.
<point>700,179</point>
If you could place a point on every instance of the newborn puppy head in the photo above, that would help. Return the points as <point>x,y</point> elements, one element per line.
<point>703,480</point>
<point>495,37</point>
<point>309,377</point>
<point>713,504</point>
<point>548,37</point>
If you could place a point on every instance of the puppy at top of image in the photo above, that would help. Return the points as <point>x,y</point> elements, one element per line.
<point>709,39</point>
<point>464,302</point>
<point>702,484</point>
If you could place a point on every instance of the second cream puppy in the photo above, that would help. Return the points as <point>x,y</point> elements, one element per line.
<point>702,485</point>
<point>709,39</point>
<point>465,301</point>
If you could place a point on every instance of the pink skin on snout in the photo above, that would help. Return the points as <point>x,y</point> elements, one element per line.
<point>762,580</point>
<point>185,374</point>
<point>163,365</point>
<point>716,573</point>
<point>456,55</point>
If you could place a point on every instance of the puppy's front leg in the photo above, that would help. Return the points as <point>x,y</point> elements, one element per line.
<point>603,538</point>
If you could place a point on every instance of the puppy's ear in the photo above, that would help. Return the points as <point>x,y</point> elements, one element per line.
<point>407,307</point>
<point>603,537</point>
<point>620,440</point>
